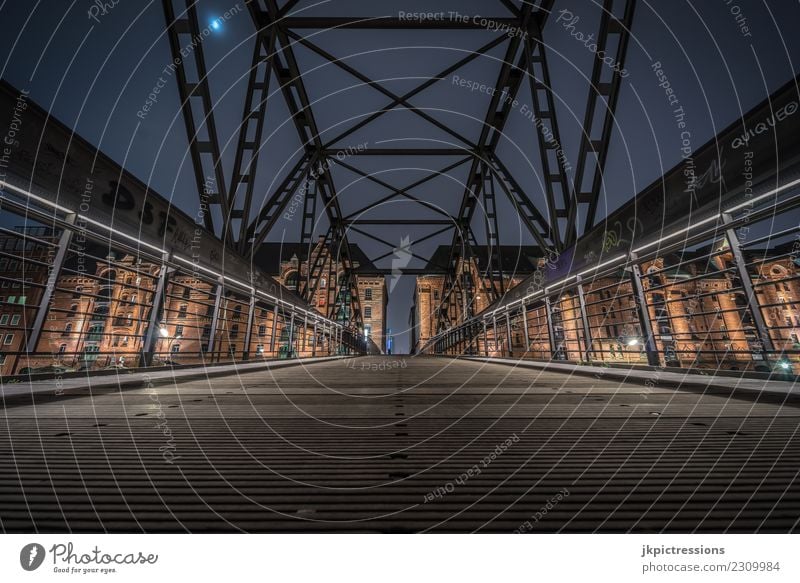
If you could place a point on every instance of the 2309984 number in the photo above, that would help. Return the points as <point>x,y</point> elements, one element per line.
<point>755,566</point>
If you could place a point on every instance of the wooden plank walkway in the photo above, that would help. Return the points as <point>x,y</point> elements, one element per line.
<point>435,445</point>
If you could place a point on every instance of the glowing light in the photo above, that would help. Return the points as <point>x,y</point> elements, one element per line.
<point>215,25</point>
<point>785,365</point>
<point>633,342</point>
<point>163,331</point>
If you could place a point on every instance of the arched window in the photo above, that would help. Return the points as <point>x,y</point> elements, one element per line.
<point>292,280</point>
<point>67,329</point>
<point>323,283</point>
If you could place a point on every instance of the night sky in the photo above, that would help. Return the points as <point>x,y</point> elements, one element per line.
<point>95,77</point>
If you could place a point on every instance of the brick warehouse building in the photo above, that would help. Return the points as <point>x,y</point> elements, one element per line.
<point>97,316</point>
<point>518,263</point>
<point>288,264</point>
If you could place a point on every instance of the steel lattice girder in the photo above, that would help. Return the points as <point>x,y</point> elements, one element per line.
<point>523,57</point>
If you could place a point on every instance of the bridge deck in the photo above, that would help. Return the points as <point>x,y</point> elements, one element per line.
<point>339,446</point>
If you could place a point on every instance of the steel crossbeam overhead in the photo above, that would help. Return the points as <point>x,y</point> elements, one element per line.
<point>183,29</point>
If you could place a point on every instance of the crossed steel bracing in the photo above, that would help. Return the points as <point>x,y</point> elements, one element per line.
<point>278,30</point>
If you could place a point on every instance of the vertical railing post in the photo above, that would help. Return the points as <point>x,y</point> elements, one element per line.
<point>314,341</point>
<point>248,335</point>
<point>274,331</point>
<point>508,333</point>
<point>551,330</point>
<point>305,333</point>
<point>47,296</point>
<point>494,333</point>
<point>485,339</point>
<point>644,314</point>
<point>291,336</point>
<point>148,346</point>
<point>212,339</point>
<point>587,330</point>
<point>525,327</point>
<point>747,286</point>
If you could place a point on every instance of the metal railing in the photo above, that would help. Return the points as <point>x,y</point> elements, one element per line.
<point>722,293</point>
<point>78,296</point>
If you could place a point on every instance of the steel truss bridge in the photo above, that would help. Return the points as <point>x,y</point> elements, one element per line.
<point>154,378</point>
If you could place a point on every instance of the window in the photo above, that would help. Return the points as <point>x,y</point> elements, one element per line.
<point>62,349</point>
<point>77,292</point>
<point>292,280</point>
<point>67,329</point>
<point>368,293</point>
<point>3,319</point>
<point>179,330</point>
<point>182,310</point>
<point>22,299</point>
<point>15,319</point>
<point>176,348</point>
<point>12,299</point>
<point>9,339</point>
<point>234,331</point>
<point>72,310</point>
<point>323,283</point>
<point>237,313</point>
<point>262,330</point>
<point>186,293</point>
<point>4,264</point>
<point>368,312</point>
<point>2,358</point>
<point>436,294</point>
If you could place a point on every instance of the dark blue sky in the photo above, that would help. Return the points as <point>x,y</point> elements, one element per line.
<point>95,76</point>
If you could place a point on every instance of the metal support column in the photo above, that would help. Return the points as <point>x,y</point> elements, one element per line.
<point>587,330</point>
<point>524,311</point>
<point>485,340</point>
<point>291,337</point>
<point>644,314</point>
<point>314,345</point>
<point>548,312</point>
<point>148,347</point>
<point>248,334</point>
<point>274,331</point>
<point>47,296</point>
<point>508,334</point>
<point>747,286</point>
<point>212,338</point>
